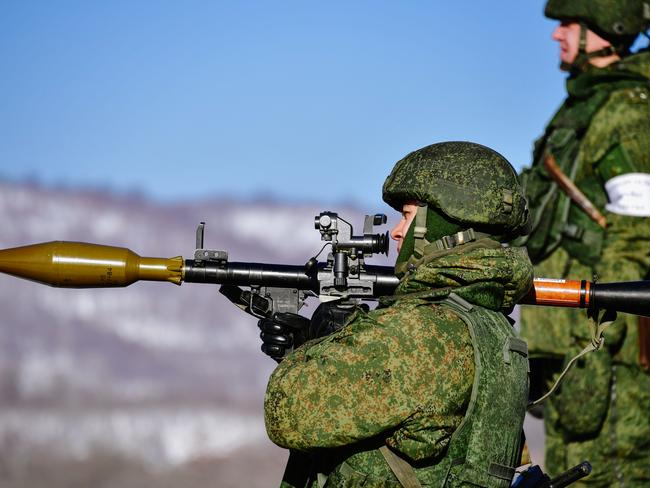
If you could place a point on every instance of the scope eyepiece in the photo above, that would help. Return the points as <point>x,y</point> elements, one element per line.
<point>383,241</point>
<point>369,243</point>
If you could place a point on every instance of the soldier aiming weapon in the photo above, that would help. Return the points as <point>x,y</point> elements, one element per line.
<point>275,288</point>
<point>271,288</point>
<point>420,346</point>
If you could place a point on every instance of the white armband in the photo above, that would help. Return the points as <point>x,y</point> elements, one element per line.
<point>629,194</point>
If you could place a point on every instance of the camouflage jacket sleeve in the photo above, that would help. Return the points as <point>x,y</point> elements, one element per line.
<point>405,372</point>
<point>618,143</point>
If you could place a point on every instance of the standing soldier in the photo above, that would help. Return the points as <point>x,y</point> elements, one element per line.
<point>430,388</point>
<point>597,143</point>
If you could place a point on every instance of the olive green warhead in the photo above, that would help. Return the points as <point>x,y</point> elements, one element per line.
<point>81,265</point>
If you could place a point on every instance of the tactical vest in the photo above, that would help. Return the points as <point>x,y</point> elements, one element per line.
<point>556,221</point>
<point>485,448</point>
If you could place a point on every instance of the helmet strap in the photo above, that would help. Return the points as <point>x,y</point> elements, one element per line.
<point>458,239</point>
<point>437,248</point>
<point>420,231</point>
<point>422,246</point>
<point>582,47</point>
<point>583,58</point>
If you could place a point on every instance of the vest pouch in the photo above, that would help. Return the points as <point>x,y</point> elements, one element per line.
<point>356,468</point>
<point>457,479</point>
<point>583,399</point>
<point>464,474</point>
<point>344,476</point>
<point>582,237</point>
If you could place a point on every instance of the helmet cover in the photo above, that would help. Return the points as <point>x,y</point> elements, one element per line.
<point>469,183</point>
<point>611,19</point>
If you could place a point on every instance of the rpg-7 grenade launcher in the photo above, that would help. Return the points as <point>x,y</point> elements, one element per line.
<point>270,288</point>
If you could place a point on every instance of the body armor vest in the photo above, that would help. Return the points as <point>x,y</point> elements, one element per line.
<point>485,449</point>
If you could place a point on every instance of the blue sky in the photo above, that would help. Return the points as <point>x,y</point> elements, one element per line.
<point>303,100</point>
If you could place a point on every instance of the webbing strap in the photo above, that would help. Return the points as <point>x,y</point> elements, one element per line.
<point>403,471</point>
<point>453,240</point>
<point>460,302</point>
<point>601,53</point>
<point>582,47</point>
<point>501,471</point>
<point>598,324</point>
<point>445,242</point>
<point>495,470</point>
<point>420,231</point>
<point>606,51</point>
<point>514,344</point>
<point>581,62</point>
<point>321,479</point>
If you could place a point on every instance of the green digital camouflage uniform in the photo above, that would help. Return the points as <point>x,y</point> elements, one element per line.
<point>435,372</point>
<point>602,412</point>
<point>401,375</point>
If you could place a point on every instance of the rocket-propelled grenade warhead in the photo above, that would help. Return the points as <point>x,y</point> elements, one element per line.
<point>82,265</point>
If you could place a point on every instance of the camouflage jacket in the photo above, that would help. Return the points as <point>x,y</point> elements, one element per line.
<point>401,375</point>
<point>601,133</point>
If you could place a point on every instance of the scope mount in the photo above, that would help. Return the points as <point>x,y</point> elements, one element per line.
<point>346,261</point>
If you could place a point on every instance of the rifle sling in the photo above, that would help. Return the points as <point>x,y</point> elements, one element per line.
<point>403,471</point>
<point>598,325</point>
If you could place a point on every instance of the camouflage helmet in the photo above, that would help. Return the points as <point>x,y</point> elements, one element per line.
<point>467,182</point>
<point>611,19</point>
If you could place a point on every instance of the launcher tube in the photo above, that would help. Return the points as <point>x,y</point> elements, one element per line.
<point>80,265</point>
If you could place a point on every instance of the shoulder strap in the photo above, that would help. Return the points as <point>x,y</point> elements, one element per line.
<point>477,455</point>
<point>402,470</point>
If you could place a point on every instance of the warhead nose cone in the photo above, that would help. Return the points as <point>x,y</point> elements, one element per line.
<point>82,265</point>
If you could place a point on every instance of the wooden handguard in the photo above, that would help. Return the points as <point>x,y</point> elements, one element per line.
<point>559,293</point>
<point>573,192</point>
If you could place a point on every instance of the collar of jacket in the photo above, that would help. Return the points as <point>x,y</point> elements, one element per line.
<point>482,272</point>
<point>630,71</point>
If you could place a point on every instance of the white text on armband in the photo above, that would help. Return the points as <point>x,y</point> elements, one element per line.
<point>629,194</point>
